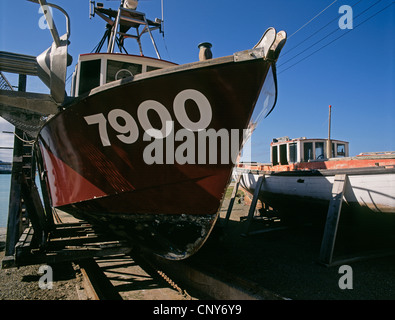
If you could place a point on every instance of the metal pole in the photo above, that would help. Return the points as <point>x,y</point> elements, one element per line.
<point>162,23</point>
<point>114,33</point>
<point>152,38</point>
<point>329,144</point>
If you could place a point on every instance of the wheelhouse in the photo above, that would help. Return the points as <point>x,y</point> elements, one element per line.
<point>285,151</point>
<point>96,69</point>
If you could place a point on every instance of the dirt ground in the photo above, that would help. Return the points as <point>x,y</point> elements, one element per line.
<point>283,261</point>
<point>23,283</point>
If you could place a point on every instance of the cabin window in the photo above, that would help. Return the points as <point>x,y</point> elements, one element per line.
<point>319,150</point>
<point>89,76</point>
<point>308,151</point>
<point>293,152</point>
<point>341,150</point>
<point>283,154</point>
<point>117,70</point>
<point>274,155</point>
<point>150,68</point>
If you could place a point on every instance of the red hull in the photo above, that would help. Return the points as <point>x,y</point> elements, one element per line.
<point>113,184</point>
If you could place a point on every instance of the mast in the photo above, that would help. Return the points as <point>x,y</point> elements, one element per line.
<point>124,20</point>
<point>329,144</point>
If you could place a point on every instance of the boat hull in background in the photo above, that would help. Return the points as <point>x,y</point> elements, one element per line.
<point>370,189</point>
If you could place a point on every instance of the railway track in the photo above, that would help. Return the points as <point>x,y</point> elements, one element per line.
<point>111,270</point>
<point>130,277</point>
<point>140,277</point>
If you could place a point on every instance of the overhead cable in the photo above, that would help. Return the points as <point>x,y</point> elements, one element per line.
<point>342,35</point>
<point>312,19</point>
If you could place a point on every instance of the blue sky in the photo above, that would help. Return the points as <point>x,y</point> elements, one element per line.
<point>355,74</point>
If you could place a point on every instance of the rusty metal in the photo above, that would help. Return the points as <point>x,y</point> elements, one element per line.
<point>184,293</point>
<point>96,285</point>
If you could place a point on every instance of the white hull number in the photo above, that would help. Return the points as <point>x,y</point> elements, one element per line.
<point>128,129</point>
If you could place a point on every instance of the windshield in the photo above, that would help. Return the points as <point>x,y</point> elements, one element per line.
<point>267,99</point>
<point>265,104</point>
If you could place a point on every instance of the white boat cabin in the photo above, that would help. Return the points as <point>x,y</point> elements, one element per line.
<point>96,69</point>
<point>285,151</point>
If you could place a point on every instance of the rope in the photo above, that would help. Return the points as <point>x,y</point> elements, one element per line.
<point>31,142</point>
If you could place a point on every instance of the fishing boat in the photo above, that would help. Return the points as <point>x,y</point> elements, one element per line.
<point>302,172</point>
<point>142,146</point>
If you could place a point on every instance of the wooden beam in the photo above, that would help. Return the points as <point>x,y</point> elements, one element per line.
<point>332,219</point>
<point>28,102</point>
<point>254,202</point>
<point>18,63</point>
<point>232,199</point>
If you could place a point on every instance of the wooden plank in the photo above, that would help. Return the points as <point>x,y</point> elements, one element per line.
<point>232,199</point>
<point>56,252</point>
<point>18,63</point>
<point>34,208</point>
<point>332,219</point>
<point>86,246</point>
<point>254,202</point>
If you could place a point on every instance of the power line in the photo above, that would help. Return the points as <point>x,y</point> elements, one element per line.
<point>342,35</point>
<point>312,35</point>
<point>312,19</point>
<point>328,35</point>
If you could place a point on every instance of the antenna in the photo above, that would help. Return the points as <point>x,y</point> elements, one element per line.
<point>161,8</point>
<point>163,18</point>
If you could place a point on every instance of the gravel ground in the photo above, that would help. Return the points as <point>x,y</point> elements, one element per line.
<point>23,283</point>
